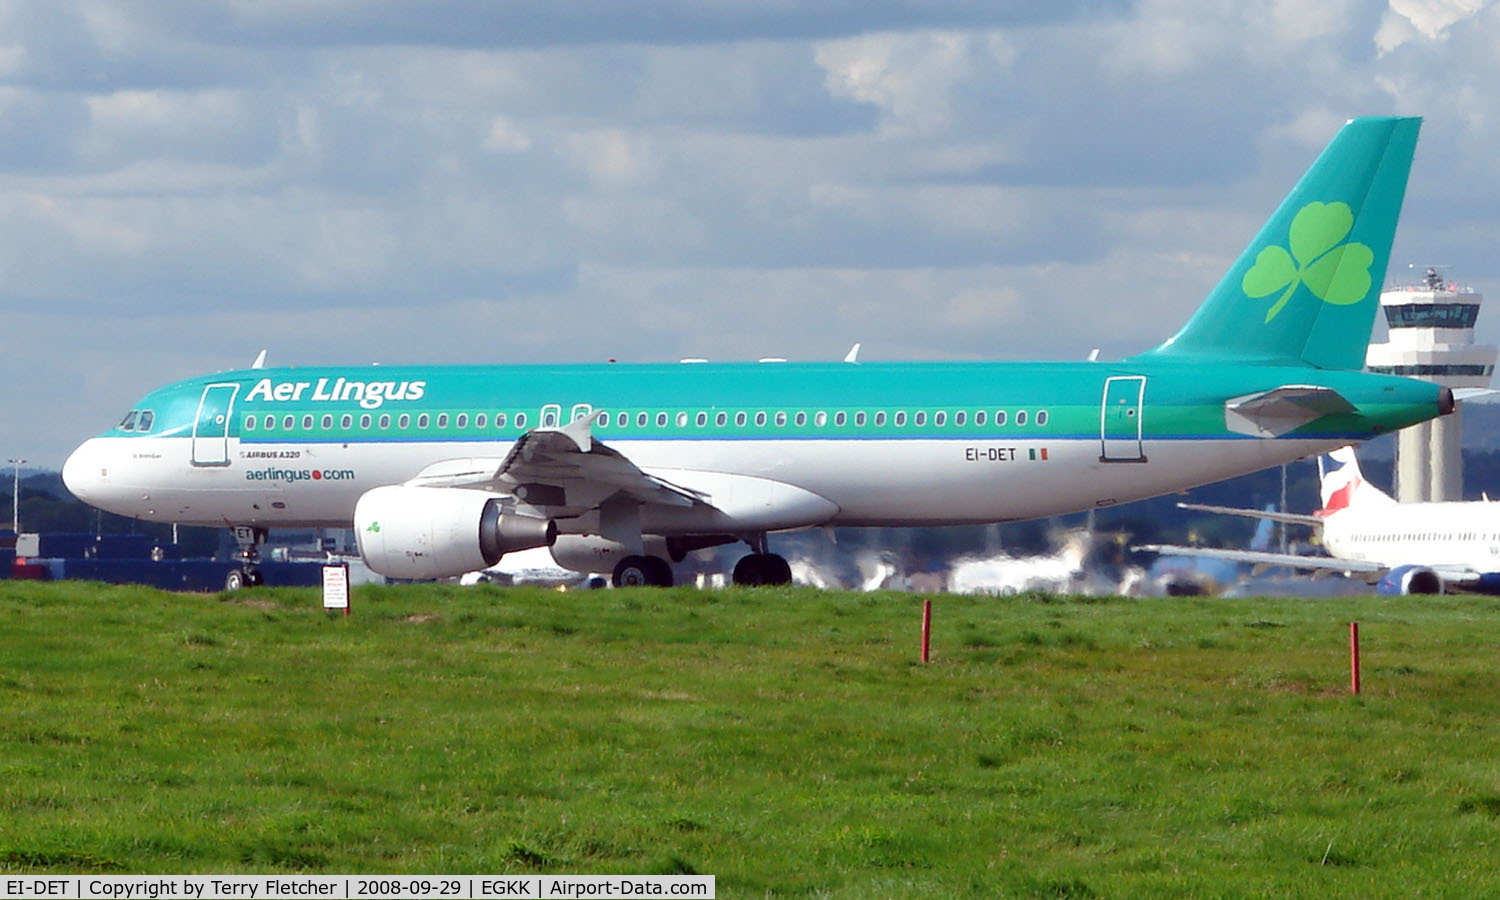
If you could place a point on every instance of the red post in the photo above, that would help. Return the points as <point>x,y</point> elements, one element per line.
<point>926,630</point>
<point>1354,657</point>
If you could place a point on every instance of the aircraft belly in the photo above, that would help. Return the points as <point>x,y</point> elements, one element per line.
<point>962,481</point>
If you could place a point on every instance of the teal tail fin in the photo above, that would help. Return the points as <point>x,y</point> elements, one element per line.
<point>1306,289</point>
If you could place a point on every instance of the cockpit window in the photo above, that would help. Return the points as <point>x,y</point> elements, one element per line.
<point>143,423</point>
<point>128,423</point>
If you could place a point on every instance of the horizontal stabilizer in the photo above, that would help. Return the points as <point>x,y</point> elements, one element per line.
<point>1290,518</point>
<point>1261,558</point>
<point>1273,413</point>
<point>1473,393</point>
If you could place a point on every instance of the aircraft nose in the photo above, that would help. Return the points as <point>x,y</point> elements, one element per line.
<point>84,471</point>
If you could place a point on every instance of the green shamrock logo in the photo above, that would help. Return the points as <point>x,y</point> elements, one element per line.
<point>374,527</point>
<point>1337,273</point>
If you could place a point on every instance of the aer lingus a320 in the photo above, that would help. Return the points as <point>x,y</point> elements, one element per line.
<point>625,468</point>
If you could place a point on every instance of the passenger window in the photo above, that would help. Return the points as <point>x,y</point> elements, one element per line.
<point>423,421</point>
<point>661,420</point>
<point>682,420</point>
<point>960,417</point>
<point>820,418</point>
<point>602,420</point>
<point>442,420</point>
<point>144,422</point>
<point>1021,418</point>
<point>739,419</point>
<point>327,423</point>
<point>249,423</point>
<point>919,419</point>
<point>702,419</point>
<point>288,423</point>
<point>385,422</point>
<point>641,419</point>
<point>760,420</point>
<point>1041,417</point>
<point>481,420</point>
<point>364,421</point>
<point>999,417</point>
<point>499,420</point>
<point>839,418</point>
<point>307,421</point>
<point>801,419</point>
<point>404,422</point>
<point>880,419</point>
<point>979,418</point>
<point>622,419</point>
<point>550,415</point>
<point>901,419</point>
<point>270,423</point>
<point>859,419</point>
<point>721,419</point>
<point>345,421</point>
<point>940,419</point>
<point>520,420</point>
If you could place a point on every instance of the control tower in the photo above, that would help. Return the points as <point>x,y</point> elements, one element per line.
<point>1432,338</point>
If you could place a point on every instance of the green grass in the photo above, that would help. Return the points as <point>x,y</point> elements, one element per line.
<point>788,742</point>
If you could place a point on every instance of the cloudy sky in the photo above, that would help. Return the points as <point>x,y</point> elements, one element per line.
<point>184,183</point>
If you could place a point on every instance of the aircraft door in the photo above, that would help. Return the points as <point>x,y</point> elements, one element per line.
<point>211,430</point>
<point>1120,416</point>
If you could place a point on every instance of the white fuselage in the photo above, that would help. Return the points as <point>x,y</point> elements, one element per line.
<point>1431,534</point>
<point>837,482</point>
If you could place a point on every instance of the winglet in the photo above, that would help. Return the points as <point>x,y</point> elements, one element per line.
<point>853,354</point>
<point>260,361</point>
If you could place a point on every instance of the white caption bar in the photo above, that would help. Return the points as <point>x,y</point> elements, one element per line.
<point>363,887</point>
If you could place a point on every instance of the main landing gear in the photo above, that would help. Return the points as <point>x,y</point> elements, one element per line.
<point>247,573</point>
<point>642,571</point>
<point>753,570</point>
<point>761,567</point>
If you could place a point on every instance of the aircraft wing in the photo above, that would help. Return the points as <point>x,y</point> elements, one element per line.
<point>1320,564</point>
<point>562,471</point>
<point>1291,518</point>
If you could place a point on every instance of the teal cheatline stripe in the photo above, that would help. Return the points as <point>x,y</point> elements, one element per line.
<point>1305,290</point>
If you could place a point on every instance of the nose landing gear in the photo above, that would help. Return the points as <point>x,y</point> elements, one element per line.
<point>247,573</point>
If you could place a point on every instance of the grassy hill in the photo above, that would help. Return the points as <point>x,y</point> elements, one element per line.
<point>788,742</point>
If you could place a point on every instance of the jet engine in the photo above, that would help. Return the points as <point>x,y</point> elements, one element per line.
<point>417,532</point>
<point>1410,580</point>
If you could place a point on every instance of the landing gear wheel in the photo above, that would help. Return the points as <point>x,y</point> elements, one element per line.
<point>762,569</point>
<point>642,571</point>
<point>661,572</point>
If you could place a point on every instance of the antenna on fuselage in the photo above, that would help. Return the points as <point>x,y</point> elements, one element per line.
<point>260,361</point>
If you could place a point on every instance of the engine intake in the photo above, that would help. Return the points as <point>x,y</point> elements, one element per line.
<point>417,532</point>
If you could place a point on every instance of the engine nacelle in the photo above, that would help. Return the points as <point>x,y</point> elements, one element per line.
<point>417,532</point>
<point>594,553</point>
<point>1410,580</point>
